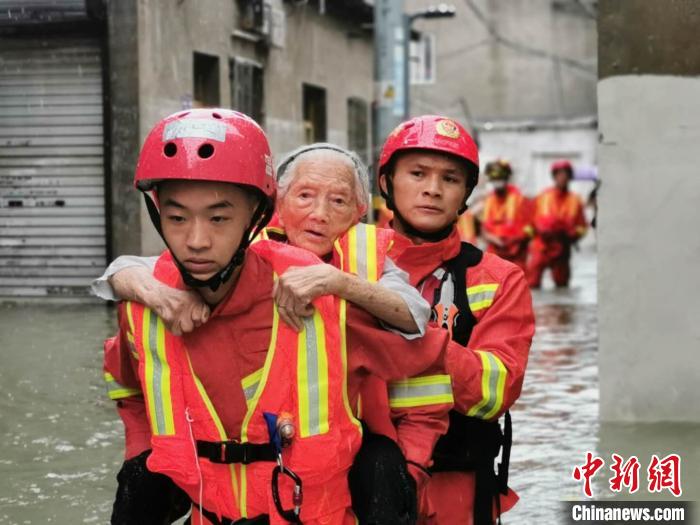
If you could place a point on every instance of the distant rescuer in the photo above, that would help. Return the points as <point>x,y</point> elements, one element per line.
<point>505,219</point>
<point>559,223</point>
<point>428,167</point>
<point>249,417</point>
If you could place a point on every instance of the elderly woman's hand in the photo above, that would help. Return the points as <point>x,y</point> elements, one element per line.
<point>299,286</point>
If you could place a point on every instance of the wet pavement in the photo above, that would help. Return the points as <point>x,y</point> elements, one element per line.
<point>61,440</point>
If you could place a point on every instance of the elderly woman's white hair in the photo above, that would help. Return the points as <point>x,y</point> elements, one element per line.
<point>323,151</point>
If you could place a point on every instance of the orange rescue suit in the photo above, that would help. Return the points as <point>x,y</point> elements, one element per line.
<point>497,353</point>
<point>507,216</point>
<point>237,340</point>
<point>559,222</point>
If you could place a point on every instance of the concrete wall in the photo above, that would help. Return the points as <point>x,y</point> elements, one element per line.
<point>649,247</point>
<point>123,86</point>
<point>510,59</point>
<point>323,50</point>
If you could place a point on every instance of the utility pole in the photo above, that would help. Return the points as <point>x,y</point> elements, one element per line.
<point>389,72</point>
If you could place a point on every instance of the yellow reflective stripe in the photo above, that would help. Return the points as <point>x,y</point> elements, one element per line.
<point>157,375</point>
<point>493,381</point>
<point>250,384</point>
<point>130,318</point>
<point>372,270</point>
<point>529,230</point>
<point>481,296</point>
<point>217,422</point>
<point>312,377</point>
<point>352,250</point>
<point>580,230</point>
<point>420,391</point>
<point>344,355</point>
<point>265,373</point>
<point>115,390</point>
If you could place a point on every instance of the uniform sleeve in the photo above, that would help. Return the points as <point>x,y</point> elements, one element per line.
<point>124,387</point>
<point>488,375</point>
<point>387,355</point>
<point>420,392</point>
<point>101,288</point>
<point>395,279</point>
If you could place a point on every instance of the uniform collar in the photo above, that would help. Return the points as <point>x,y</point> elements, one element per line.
<point>420,260</point>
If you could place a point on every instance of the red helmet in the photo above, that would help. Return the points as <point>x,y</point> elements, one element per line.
<point>562,165</point>
<point>434,133</point>
<point>217,145</point>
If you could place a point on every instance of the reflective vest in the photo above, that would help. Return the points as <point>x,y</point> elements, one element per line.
<point>305,374</point>
<point>505,216</point>
<point>555,212</point>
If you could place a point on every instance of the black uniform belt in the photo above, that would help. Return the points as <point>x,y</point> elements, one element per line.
<point>232,452</point>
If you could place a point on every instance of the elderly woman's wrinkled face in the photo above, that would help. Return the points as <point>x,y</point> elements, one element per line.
<point>320,204</point>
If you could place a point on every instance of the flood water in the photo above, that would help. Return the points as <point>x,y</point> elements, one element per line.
<point>61,439</point>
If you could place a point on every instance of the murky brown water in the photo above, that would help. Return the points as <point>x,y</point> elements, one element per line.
<point>61,440</point>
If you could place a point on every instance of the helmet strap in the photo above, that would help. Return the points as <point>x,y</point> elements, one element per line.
<point>261,217</point>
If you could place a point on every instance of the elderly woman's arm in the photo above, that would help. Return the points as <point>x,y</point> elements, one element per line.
<point>130,278</point>
<point>391,300</point>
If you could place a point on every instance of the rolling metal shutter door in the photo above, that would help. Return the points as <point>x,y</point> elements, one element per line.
<point>52,206</point>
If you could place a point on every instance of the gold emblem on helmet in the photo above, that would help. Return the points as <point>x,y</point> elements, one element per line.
<point>447,128</point>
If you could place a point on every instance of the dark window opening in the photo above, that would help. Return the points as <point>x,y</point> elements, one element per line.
<point>358,128</point>
<point>314,108</point>
<point>206,81</point>
<point>247,88</point>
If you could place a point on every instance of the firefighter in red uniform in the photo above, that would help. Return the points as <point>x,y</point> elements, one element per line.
<point>217,442</point>
<point>559,223</point>
<point>505,222</point>
<point>427,170</point>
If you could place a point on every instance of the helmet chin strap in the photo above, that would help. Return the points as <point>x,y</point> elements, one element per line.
<point>407,227</point>
<point>262,215</point>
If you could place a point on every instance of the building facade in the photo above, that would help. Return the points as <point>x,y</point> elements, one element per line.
<point>82,82</point>
<point>520,73</point>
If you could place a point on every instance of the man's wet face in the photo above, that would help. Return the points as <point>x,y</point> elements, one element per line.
<point>203,222</point>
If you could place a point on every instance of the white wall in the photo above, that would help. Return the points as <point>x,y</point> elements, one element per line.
<point>649,248</point>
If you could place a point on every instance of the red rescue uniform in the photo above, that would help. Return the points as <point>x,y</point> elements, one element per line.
<point>507,216</point>
<point>233,346</point>
<point>559,222</point>
<point>496,354</point>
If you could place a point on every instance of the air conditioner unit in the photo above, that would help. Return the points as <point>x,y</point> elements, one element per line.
<point>256,16</point>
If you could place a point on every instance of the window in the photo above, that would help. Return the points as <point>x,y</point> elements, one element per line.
<point>422,59</point>
<point>358,128</point>
<point>314,108</point>
<point>206,81</point>
<point>247,88</point>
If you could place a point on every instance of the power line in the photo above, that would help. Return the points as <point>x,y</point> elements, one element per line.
<point>521,48</point>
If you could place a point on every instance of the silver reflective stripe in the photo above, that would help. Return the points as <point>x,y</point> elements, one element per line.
<point>312,376</point>
<point>481,297</point>
<point>361,250</point>
<point>250,391</point>
<point>195,128</point>
<point>403,390</point>
<point>493,386</point>
<point>157,371</point>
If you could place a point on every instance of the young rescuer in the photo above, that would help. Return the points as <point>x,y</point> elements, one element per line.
<point>428,167</point>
